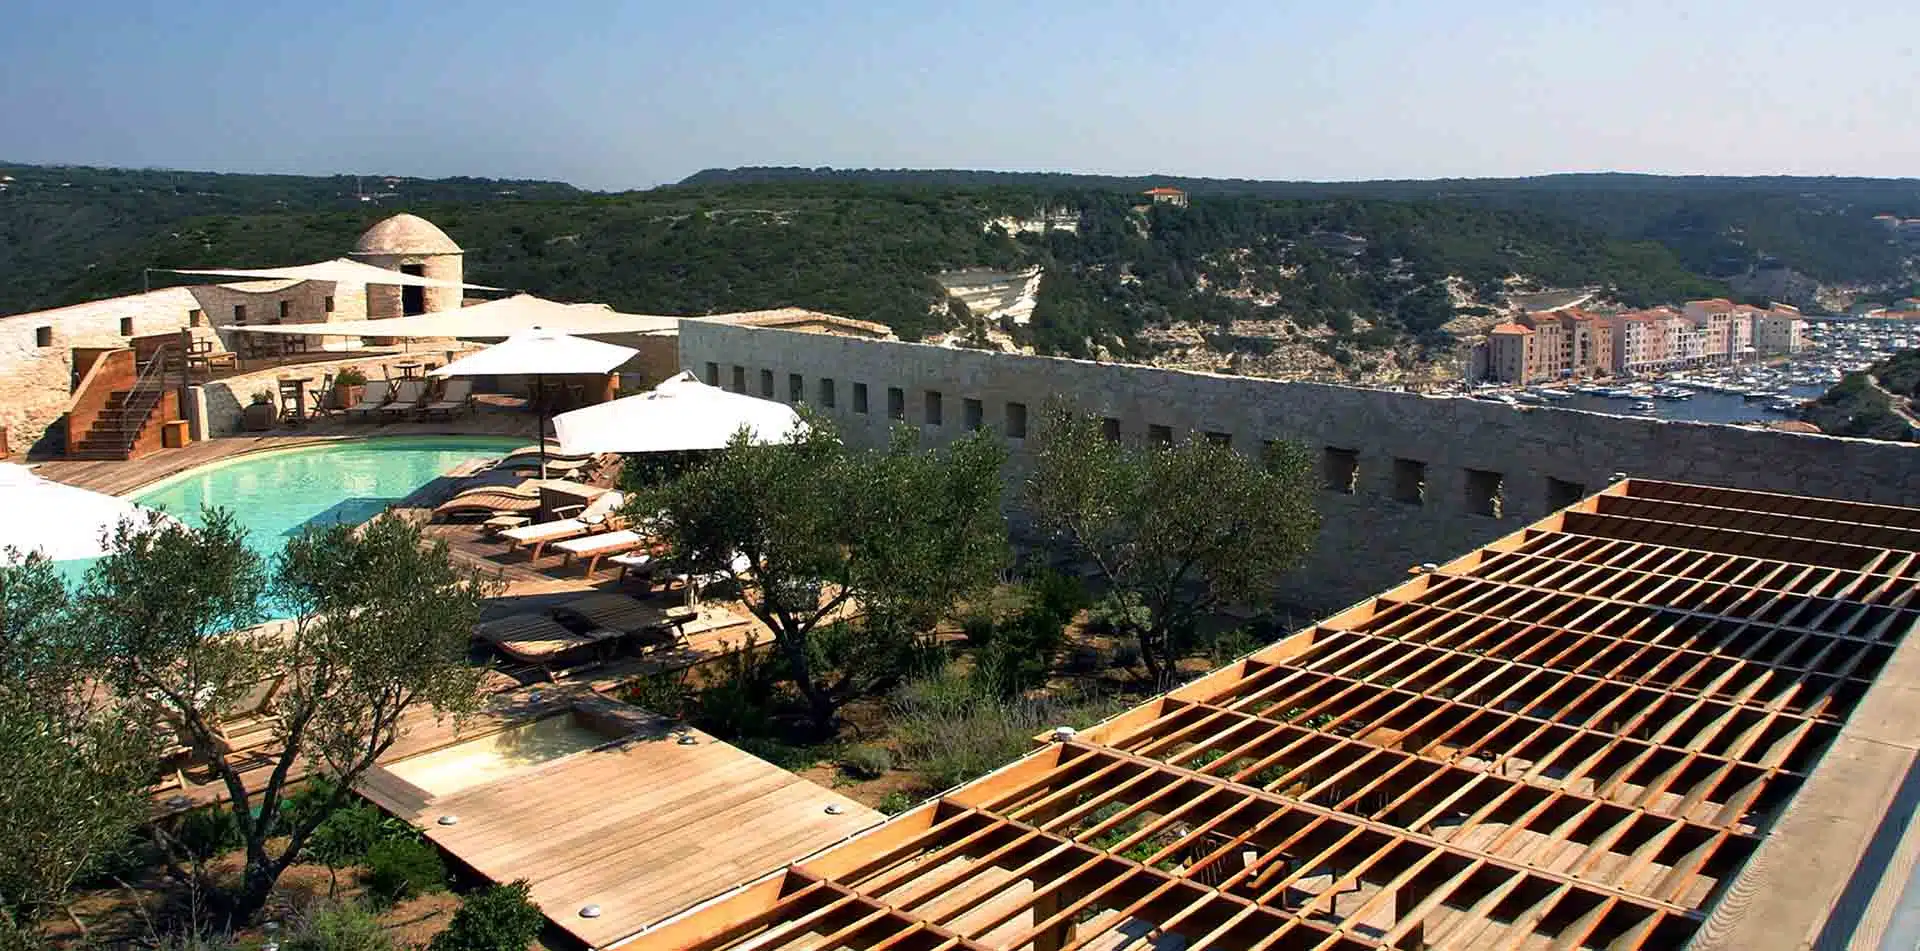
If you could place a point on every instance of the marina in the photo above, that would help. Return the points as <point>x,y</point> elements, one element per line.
<point>1745,393</point>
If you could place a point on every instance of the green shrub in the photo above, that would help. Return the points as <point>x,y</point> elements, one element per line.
<point>348,834</point>
<point>399,869</point>
<point>977,628</point>
<point>500,918</point>
<point>866,761</point>
<point>665,694</point>
<point>897,802</point>
<point>327,926</point>
<point>351,376</point>
<point>784,755</point>
<point>1228,646</point>
<point>208,833</point>
<point>953,730</point>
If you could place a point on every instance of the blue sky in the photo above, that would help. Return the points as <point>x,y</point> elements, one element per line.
<point>622,95</point>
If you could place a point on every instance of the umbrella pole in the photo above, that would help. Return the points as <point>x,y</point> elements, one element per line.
<point>540,391</point>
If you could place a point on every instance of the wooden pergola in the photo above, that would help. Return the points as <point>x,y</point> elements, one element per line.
<point>1574,737</point>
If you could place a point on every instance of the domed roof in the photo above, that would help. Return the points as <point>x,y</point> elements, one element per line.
<point>406,234</point>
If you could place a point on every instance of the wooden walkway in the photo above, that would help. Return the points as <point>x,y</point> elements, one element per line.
<point>641,829</point>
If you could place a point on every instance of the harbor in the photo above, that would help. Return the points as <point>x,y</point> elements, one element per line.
<point>1743,393</point>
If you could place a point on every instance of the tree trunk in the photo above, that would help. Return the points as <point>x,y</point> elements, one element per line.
<point>819,703</point>
<point>1159,669</point>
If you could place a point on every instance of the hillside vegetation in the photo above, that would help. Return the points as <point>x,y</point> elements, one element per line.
<point>1877,404</point>
<point>1718,226</point>
<point>1356,273</point>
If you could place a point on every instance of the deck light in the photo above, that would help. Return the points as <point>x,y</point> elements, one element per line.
<point>590,911</point>
<point>448,820</point>
<point>834,809</point>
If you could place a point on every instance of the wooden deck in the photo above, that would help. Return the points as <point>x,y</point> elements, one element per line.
<point>642,829</point>
<point>119,478</point>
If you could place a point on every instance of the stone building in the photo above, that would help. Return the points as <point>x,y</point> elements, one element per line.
<point>412,245</point>
<point>37,348</point>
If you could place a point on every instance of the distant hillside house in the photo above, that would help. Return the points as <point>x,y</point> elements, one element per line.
<point>1167,196</point>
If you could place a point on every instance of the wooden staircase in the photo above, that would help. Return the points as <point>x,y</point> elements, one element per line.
<point>128,414</point>
<point>118,407</point>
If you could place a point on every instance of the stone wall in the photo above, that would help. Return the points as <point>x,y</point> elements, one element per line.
<point>1425,472</point>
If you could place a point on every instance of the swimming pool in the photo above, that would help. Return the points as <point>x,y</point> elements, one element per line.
<point>277,494</point>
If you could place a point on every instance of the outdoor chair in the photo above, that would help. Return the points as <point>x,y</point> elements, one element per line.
<point>408,395</point>
<point>456,398</point>
<point>593,548</point>
<point>320,396</point>
<point>290,401</point>
<point>374,397</point>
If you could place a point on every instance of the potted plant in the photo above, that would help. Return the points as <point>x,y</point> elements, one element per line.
<point>259,414</point>
<point>348,384</point>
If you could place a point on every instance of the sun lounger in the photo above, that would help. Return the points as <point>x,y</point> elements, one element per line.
<point>618,612</point>
<point>490,500</point>
<point>537,639</point>
<point>456,398</point>
<point>543,534</point>
<point>372,398</point>
<point>593,548</point>
<point>408,395</point>
<point>597,515</point>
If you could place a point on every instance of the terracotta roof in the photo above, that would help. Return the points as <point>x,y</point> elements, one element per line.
<point>406,234</point>
<point>1163,190</point>
<point>1717,305</point>
<point>1510,329</point>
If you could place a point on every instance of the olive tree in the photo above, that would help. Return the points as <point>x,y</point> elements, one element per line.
<point>379,629</point>
<point>1174,533</point>
<point>809,528</point>
<point>82,764</point>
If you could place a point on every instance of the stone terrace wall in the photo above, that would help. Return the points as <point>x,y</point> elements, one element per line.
<point>1540,457</point>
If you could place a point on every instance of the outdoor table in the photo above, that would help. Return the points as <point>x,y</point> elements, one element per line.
<point>408,370</point>
<point>501,523</point>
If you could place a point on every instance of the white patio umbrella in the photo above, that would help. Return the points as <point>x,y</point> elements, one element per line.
<point>681,413</point>
<point>537,353</point>
<point>60,521</point>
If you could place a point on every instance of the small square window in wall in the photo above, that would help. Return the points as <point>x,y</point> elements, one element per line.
<point>828,398</point>
<point>43,336</point>
<point>1410,481</point>
<point>1110,428</point>
<point>1561,493</point>
<point>1221,439</point>
<point>766,384</point>
<point>1016,420</point>
<point>126,326</point>
<point>329,303</point>
<point>739,379</point>
<point>239,313</point>
<point>859,397</point>
<point>896,403</point>
<point>973,413</point>
<point>1160,435</point>
<point>796,388</point>
<point>286,309</point>
<point>932,410</point>
<point>196,317</point>
<point>1340,468</point>
<point>713,374</point>
<point>1484,492</point>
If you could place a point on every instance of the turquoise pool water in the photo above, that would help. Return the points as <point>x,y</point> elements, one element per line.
<point>277,494</point>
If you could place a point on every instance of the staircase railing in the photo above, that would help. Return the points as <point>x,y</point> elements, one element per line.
<point>156,368</point>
